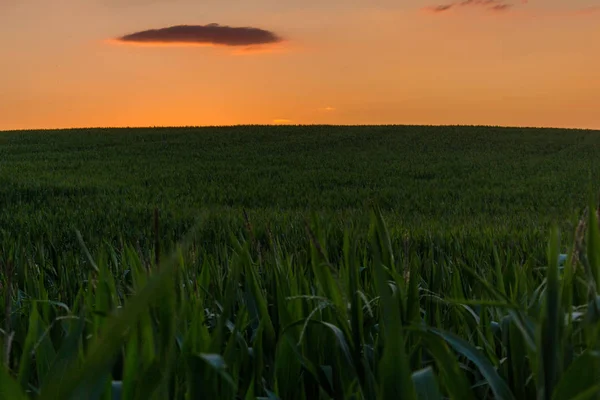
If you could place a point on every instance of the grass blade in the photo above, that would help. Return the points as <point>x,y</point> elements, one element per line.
<point>581,376</point>
<point>393,369</point>
<point>426,384</point>
<point>9,388</point>
<point>496,383</point>
<point>550,332</point>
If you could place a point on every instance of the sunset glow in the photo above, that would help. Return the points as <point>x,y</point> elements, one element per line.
<point>490,62</point>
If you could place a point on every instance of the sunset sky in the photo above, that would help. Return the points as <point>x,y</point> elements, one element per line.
<point>88,63</point>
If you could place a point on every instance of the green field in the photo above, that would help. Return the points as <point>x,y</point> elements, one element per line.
<point>299,263</point>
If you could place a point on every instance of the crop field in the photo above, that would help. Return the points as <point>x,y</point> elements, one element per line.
<point>309,262</point>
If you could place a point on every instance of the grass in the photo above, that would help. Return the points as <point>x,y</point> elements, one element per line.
<point>299,263</point>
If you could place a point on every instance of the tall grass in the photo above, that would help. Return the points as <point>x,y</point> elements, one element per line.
<point>454,287</point>
<point>362,319</point>
<point>442,184</point>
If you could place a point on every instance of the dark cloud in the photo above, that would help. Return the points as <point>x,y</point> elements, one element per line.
<point>212,34</point>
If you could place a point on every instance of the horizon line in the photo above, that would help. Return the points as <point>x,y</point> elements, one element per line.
<point>290,125</point>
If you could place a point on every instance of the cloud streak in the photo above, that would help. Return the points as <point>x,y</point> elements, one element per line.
<point>489,5</point>
<point>501,6</point>
<point>202,35</point>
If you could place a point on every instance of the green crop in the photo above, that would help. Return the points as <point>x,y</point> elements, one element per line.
<point>299,263</point>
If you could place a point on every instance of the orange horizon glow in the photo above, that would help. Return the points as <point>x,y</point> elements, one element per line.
<point>279,47</point>
<point>532,64</point>
<point>287,123</point>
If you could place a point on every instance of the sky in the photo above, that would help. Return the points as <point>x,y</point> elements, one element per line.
<point>109,63</point>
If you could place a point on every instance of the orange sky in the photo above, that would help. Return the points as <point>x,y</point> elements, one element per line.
<point>534,63</point>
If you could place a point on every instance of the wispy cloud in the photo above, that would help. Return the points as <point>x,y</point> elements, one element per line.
<point>440,8</point>
<point>202,35</point>
<point>500,7</point>
<point>327,109</point>
<point>488,5</point>
<point>505,5</point>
